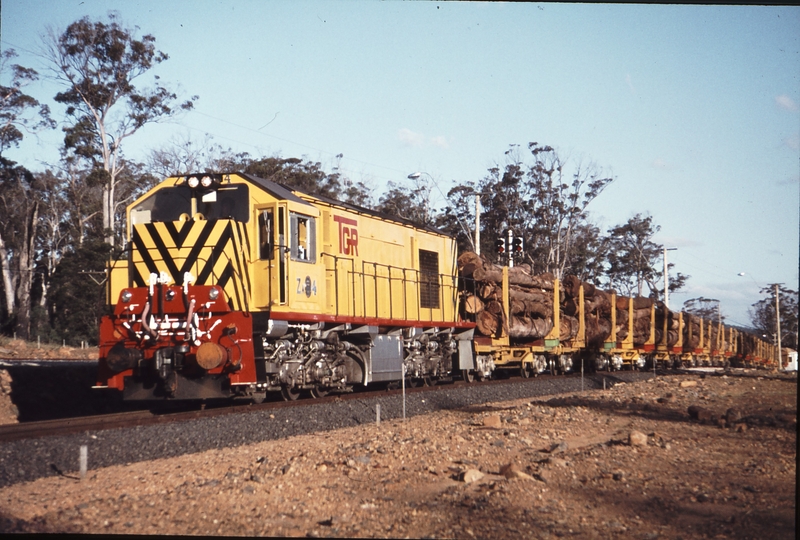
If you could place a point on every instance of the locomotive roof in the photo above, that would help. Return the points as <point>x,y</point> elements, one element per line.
<point>284,192</point>
<point>275,189</point>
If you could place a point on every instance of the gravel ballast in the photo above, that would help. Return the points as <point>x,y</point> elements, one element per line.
<point>26,460</point>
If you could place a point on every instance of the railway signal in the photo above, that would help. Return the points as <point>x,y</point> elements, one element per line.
<point>509,246</point>
<point>500,246</point>
<point>517,247</point>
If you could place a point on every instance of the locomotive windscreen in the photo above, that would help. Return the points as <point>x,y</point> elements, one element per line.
<point>168,204</point>
<point>164,205</point>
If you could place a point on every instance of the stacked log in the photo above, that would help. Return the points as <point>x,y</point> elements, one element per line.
<point>597,309</point>
<point>531,306</point>
<point>530,299</point>
<point>691,332</point>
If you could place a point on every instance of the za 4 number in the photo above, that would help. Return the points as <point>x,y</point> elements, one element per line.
<point>307,286</point>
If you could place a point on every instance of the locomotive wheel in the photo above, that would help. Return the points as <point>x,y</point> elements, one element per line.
<point>290,393</point>
<point>409,382</point>
<point>428,381</point>
<point>468,375</point>
<point>319,392</point>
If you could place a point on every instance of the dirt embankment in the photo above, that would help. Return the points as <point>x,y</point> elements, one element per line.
<point>13,349</point>
<point>21,391</point>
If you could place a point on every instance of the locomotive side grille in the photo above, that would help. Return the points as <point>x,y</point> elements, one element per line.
<point>215,252</point>
<point>429,279</point>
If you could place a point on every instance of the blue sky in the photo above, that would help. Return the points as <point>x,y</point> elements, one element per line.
<point>695,110</point>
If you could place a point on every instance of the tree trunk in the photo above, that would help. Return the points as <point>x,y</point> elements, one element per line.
<point>530,308</point>
<point>108,212</point>
<point>25,260</point>
<point>473,304</point>
<point>487,323</point>
<point>8,281</point>
<point>528,328</point>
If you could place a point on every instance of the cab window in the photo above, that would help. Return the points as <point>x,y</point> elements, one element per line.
<point>266,235</point>
<point>164,205</point>
<point>225,202</point>
<point>303,237</point>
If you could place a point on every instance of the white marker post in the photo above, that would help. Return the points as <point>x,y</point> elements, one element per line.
<point>84,459</point>
<point>404,392</point>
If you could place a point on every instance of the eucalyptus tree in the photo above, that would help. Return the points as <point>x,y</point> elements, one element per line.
<point>20,193</point>
<point>633,258</point>
<point>764,319</point>
<point>20,196</point>
<point>632,255</point>
<point>588,253</point>
<point>458,218</point>
<point>98,63</point>
<point>707,308</point>
<point>412,204</point>
<point>184,155</point>
<point>543,198</point>
<point>19,111</point>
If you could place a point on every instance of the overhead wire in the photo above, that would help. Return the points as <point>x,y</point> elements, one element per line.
<point>275,137</point>
<point>302,145</point>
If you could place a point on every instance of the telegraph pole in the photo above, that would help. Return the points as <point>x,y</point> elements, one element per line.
<point>778,324</point>
<point>477,224</point>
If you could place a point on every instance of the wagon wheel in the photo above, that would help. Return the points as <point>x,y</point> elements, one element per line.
<point>319,392</point>
<point>525,370</point>
<point>290,393</point>
<point>468,375</point>
<point>412,382</point>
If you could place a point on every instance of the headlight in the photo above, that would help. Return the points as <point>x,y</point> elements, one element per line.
<point>193,182</point>
<point>126,296</point>
<point>206,181</point>
<point>213,294</point>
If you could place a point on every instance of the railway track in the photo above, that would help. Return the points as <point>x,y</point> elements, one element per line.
<point>129,419</point>
<point>124,420</point>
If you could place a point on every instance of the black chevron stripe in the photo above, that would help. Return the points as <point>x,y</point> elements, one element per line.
<point>226,275</point>
<point>241,261</point>
<point>164,251</point>
<point>224,238</point>
<point>178,237</point>
<point>191,259</point>
<point>246,252</point>
<point>237,240</point>
<point>139,247</point>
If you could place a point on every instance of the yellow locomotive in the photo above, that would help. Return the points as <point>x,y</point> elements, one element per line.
<point>234,285</point>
